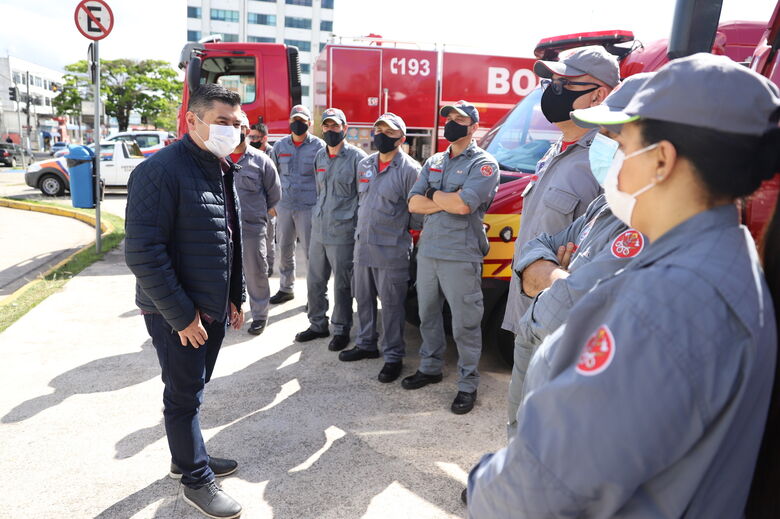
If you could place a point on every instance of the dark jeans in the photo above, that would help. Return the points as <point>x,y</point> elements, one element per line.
<point>185,371</point>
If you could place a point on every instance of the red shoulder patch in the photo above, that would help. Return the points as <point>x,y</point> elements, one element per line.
<point>628,244</point>
<point>487,170</point>
<point>598,352</point>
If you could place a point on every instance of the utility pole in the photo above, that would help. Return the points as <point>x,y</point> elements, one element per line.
<point>19,122</point>
<point>28,111</point>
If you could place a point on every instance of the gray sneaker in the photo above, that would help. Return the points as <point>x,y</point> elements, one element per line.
<point>212,501</point>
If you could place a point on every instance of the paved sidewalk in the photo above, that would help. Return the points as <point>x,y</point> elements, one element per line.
<point>81,432</point>
<point>32,242</point>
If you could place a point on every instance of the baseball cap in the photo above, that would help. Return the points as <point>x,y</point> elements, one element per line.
<point>593,60</point>
<point>616,101</point>
<point>244,119</point>
<point>300,111</point>
<point>737,99</point>
<point>335,114</point>
<point>393,121</point>
<point>463,108</point>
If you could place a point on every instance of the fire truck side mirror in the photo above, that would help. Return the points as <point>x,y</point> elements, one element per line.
<point>694,27</point>
<point>193,73</point>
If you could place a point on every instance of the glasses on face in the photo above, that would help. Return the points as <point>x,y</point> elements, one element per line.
<point>255,138</point>
<point>559,84</point>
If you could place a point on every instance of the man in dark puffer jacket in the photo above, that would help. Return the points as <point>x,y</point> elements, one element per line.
<point>183,246</point>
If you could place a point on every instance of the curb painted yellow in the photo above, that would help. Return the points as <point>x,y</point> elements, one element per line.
<point>105,226</point>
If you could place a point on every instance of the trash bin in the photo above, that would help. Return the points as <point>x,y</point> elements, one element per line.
<point>82,176</point>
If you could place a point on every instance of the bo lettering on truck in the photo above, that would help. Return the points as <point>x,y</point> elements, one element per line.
<point>523,81</point>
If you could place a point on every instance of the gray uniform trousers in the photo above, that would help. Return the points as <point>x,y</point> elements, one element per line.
<point>324,259</point>
<point>391,285</point>
<point>459,282</point>
<point>254,255</point>
<point>291,224</point>
<point>271,242</point>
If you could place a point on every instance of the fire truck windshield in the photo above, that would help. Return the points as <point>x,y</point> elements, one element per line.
<point>237,74</point>
<point>522,137</point>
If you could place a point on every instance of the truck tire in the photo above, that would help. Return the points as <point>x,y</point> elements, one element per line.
<point>492,333</point>
<point>50,185</point>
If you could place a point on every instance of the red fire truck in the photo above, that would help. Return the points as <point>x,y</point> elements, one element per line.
<point>366,80</point>
<point>266,75</point>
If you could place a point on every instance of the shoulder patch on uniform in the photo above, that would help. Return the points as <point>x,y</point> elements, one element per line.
<point>598,352</point>
<point>487,170</point>
<point>628,244</point>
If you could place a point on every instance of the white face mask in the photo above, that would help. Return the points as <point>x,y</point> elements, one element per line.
<point>222,139</point>
<point>622,204</point>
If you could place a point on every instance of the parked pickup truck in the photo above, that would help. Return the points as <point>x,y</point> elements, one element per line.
<point>117,160</point>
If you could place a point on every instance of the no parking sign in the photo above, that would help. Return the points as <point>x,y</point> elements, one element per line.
<point>94,19</point>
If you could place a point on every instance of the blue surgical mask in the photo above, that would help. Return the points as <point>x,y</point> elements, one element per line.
<point>601,154</point>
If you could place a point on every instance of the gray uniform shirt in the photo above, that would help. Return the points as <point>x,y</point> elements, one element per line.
<point>561,193</point>
<point>603,245</point>
<point>382,236</point>
<point>335,212</point>
<point>651,401</point>
<point>453,236</point>
<point>258,187</point>
<point>295,165</point>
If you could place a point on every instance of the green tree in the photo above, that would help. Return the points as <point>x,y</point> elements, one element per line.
<point>148,87</point>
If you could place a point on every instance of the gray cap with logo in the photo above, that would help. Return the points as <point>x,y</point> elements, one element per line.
<point>300,111</point>
<point>616,101</point>
<point>393,121</point>
<point>702,90</point>
<point>335,114</point>
<point>463,108</point>
<point>593,60</point>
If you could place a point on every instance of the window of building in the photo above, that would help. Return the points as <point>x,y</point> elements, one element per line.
<point>326,25</point>
<point>305,68</point>
<point>234,73</point>
<point>322,46</point>
<point>327,4</point>
<point>305,91</point>
<point>17,77</point>
<point>262,19</point>
<point>260,39</point>
<point>193,35</point>
<point>306,3</point>
<point>269,1</point>
<point>303,46</point>
<point>47,100</point>
<point>38,81</point>
<point>193,12</point>
<point>224,15</point>
<point>229,37</point>
<point>297,23</point>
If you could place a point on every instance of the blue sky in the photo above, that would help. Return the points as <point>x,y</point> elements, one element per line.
<point>43,31</point>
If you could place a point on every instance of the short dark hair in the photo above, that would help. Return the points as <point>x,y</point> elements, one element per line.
<point>260,127</point>
<point>203,98</point>
<point>728,164</point>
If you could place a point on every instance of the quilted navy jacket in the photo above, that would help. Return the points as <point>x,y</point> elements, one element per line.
<point>177,242</point>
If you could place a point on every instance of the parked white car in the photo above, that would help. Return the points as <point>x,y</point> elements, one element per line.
<point>150,141</point>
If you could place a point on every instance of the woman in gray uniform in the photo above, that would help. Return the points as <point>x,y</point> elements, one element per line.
<point>651,400</point>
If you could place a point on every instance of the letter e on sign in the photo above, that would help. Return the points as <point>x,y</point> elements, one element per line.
<point>94,19</point>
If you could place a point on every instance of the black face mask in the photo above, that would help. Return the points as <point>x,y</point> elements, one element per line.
<point>256,144</point>
<point>333,139</point>
<point>384,143</point>
<point>299,127</point>
<point>556,108</point>
<point>454,131</point>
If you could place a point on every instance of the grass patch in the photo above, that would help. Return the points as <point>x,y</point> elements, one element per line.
<point>45,286</point>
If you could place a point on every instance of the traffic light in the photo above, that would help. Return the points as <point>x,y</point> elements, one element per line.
<point>13,94</point>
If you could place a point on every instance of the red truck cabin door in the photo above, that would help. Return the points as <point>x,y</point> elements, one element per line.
<point>355,82</point>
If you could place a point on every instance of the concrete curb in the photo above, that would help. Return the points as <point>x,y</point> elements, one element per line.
<point>105,226</point>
